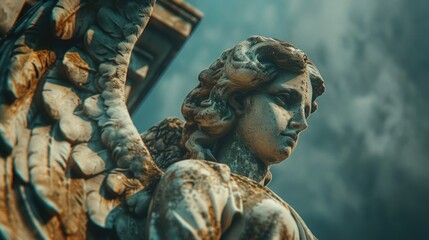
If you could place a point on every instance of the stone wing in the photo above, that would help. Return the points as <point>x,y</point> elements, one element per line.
<point>66,137</point>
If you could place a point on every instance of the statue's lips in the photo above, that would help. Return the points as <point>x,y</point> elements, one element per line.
<point>291,135</point>
<point>291,138</point>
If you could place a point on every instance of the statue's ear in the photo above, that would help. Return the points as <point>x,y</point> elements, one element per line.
<point>237,101</point>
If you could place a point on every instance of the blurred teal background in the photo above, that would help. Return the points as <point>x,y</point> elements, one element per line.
<point>361,169</point>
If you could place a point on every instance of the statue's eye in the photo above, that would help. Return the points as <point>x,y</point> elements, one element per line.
<point>283,98</point>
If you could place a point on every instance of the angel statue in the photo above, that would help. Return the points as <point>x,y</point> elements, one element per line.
<point>73,166</point>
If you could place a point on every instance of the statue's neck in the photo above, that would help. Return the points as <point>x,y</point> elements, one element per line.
<point>241,160</point>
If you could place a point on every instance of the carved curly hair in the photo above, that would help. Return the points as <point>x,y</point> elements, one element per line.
<point>241,69</point>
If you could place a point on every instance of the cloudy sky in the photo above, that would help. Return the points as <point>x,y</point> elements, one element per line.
<point>361,170</point>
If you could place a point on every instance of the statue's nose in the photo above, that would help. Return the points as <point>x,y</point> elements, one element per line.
<point>298,121</point>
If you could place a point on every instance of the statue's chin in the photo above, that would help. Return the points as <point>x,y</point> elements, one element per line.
<point>281,156</point>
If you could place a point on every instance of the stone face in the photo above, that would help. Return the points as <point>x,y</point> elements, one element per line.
<point>73,166</point>
<point>243,123</point>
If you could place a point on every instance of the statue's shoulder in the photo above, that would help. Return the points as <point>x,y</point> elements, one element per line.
<point>260,202</point>
<point>200,169</point>
<point>205,170</point>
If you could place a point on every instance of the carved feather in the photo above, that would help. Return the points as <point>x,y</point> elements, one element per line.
<point>111,22</point>
<point>80,69</point>
<point>39,166</point>
<point>73,214</point>
<point>59,100</point>
<point>97,203</point>
<point>65,20</point>
<point>20,154</point>
<point>89,160</point>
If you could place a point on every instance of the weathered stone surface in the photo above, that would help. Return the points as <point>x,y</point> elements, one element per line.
<point>55,176</point>
<point>73,166</point>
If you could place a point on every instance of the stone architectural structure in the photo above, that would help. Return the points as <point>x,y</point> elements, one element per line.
<point>73,166</point>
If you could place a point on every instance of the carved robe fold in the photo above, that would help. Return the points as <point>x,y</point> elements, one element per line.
<point>203,200</point>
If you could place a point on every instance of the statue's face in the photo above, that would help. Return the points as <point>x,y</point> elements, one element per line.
<point>274,116</point>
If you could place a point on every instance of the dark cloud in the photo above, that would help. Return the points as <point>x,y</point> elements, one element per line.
<point>360,171</point>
